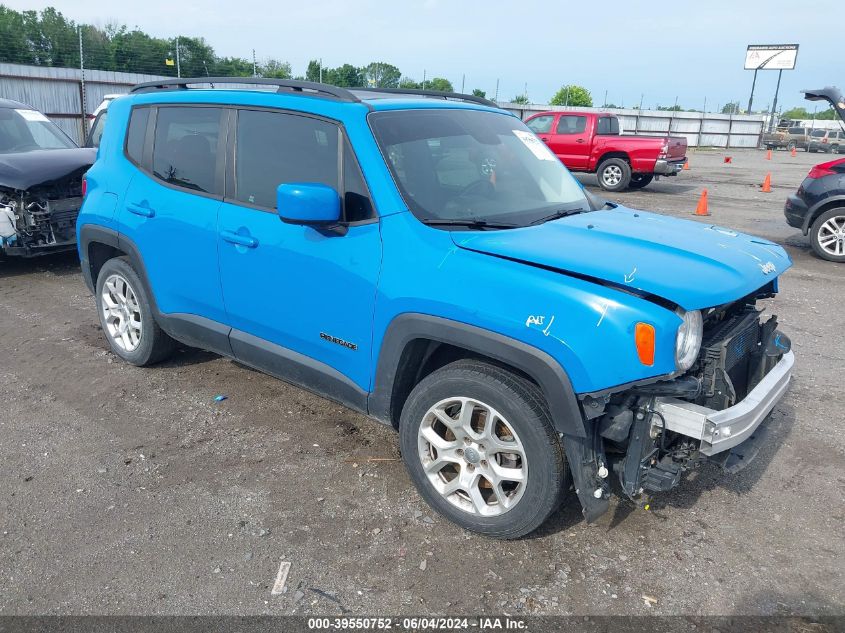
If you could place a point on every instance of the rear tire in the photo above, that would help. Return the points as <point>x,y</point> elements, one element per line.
<point>827,235</point>
<point>497,425</point>
<point>614,174</point>
<point>638,181</point>
<point>126,315</point>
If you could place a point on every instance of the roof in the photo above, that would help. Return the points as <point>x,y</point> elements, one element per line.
<point>9,103</point>
<point>372,98</point>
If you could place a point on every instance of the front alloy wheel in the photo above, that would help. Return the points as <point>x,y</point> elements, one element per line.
<point>469,432</point>
<point>472,456</point>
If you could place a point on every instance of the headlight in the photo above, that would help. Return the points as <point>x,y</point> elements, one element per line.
<point>688,341</point>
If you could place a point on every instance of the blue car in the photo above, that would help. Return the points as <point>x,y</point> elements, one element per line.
<point>424,259</point>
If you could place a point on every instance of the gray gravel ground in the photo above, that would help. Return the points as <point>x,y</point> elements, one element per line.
<point>130,491</point>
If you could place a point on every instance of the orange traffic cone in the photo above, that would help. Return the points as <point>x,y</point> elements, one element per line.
<point>701,209</point>
<point>686,165</point>
<point>794,153</point>
<point>769,155</point>
<point>728,159</point>
<point>767,184</point>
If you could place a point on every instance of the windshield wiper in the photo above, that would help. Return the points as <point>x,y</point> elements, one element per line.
<point>562,213</point>
<point>471,223</point>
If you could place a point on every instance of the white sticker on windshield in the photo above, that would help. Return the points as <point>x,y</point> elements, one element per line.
<point>32,115</point>
<point>537,147</point>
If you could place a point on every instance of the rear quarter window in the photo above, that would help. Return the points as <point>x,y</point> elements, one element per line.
<point>136,133</point>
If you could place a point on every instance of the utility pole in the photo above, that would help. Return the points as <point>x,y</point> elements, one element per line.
<point>178,59</point>
<point>463,82</point>
<point>321,70</point>
<point>604,105</point>
<point>423,83</point>
<point>496,98</point>
<point>705,105</point>
<point>254,65</point>
<point>82,96</point>
<point>642,96</point>
<point>775,102</point>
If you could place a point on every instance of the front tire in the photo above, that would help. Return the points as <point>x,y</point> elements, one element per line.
<point>614,174</point>
<point>479,445</point>
<point>638,181</point>
<point>126,315</point>
<point>827,235</point>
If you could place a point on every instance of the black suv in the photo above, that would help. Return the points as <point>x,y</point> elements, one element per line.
<point>818,207</point>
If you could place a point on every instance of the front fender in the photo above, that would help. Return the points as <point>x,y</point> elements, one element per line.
<point>547,372</point>
<point>585,327</point>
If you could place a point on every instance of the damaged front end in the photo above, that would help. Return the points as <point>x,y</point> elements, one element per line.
<point>649,434</point>
<point>41,218</point>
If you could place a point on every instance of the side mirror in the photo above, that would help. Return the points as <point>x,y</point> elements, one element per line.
<point>308,203</point>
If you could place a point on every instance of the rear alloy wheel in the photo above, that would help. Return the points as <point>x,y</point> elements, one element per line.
<point>828,235</point>
<point>479,444</point>
<point>638,181</point>
<point>614,174</point>
<point>127,317</point>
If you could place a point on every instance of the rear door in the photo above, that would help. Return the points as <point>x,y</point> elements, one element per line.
<point>570,140</point>
<point>170,208</point>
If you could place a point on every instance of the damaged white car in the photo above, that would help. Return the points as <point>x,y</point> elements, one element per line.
<point>41,171</point>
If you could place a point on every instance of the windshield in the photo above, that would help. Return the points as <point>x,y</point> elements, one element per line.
<point>26,130</point>
<point>469,165</point>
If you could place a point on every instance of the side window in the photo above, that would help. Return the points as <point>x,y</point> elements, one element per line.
<point>97,129</point>
<point>571,124</point>
<point>356,200</point>
<point>185,149</point>
<point>275,148</point>
<point>541,124</point>
<point>607,125</point>
<point>136,134</point>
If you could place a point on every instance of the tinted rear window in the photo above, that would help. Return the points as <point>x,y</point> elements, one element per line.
<point>607,125</point>
<point>135,134</point>
<point>185,150</point>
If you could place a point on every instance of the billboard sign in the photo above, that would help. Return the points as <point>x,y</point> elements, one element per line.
<point>771,56</point>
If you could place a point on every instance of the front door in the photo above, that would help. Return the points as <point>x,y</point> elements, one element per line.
<point>300,300</point>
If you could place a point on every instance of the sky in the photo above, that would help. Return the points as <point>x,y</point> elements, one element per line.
<point>691,51</point>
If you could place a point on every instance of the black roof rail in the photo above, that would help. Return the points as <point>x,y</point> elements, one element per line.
<point>457,96</point>
<point>310,88</point>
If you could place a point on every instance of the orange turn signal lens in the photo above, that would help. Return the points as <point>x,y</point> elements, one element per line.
<point>644,340</point>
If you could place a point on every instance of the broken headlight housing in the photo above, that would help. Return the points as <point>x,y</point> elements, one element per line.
<point>688,340</point>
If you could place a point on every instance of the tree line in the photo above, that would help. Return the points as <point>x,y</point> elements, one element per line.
<point>48,38</point>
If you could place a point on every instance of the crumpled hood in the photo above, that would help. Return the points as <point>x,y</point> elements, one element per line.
<point>691,264</point>
<point>26,170</point>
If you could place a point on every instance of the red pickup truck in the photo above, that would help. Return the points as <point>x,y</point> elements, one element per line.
<point>592,142</point>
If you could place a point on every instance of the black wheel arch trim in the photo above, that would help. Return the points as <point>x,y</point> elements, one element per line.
<point>814,211</point>
<point>540,366</point>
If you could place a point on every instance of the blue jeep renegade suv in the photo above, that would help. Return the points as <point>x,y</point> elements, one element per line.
<point>424,259</point>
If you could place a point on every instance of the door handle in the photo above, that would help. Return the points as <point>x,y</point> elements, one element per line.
<point>142,209</point>
<point>240,240</point>
<point>579,140</point>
